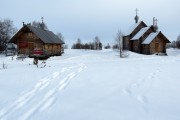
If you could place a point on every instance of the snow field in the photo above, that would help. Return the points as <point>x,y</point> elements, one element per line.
<point>92,85</point>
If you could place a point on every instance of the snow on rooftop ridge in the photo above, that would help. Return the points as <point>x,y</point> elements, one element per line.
<point>130,30</point>
<point>150,38</point>
<point>140,33</point>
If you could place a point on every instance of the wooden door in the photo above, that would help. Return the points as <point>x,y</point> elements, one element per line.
<point>31,47</point>
<point>156,47</point>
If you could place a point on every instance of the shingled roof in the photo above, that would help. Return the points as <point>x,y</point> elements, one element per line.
<point>45,35</point>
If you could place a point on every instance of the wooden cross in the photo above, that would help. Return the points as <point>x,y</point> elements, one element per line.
<point>136,11</point>
<point>156,20</point>
<point>42,19</point>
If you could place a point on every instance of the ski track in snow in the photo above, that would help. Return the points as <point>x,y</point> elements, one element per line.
<point>42,95</point>
<point>135,89</point>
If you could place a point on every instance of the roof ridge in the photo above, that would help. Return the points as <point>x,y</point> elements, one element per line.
<point>37,28</point>
<point>45,35</point>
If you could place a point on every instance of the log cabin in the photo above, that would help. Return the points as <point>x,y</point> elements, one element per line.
<point>37,42</point>
<point>144,39</point>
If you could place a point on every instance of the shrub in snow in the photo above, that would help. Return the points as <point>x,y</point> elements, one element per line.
<point>4,66</point>
<point>124,54</point>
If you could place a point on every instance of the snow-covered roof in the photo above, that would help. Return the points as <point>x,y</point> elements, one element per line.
<point>140,33</point>
<point>150,38</point>
<point>131,29</point>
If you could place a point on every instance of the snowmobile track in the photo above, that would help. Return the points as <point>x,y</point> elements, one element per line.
<point>43,95</point>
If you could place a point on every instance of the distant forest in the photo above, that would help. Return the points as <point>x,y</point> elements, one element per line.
<point>174,44</point>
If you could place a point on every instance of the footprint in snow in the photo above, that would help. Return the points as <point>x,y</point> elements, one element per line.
<point>158,70</point>
<point>127,91</point>
<point>151,76</point>
<point>142,99</point>
<point>80,69</point>
<point>134,85</point>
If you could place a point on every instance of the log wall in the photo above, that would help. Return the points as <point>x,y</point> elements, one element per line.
<point>27,42</point>
<point>158,45</point>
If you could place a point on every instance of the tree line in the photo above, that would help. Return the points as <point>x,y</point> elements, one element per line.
<point>96,45</point>
<point>174,44</point>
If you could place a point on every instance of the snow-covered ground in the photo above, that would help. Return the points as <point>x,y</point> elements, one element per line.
<point>91,85</point>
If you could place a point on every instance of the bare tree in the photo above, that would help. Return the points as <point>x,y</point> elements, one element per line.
<point>119,41</point>
<point>41,25</point>
<point>7,30</point>
<point>178,42</point>
<point>79,44</point>
<point>35,24</point>
<point>60,36</point>
<point>107,46</point>
<point>173,44</point>
<point>97,43</point>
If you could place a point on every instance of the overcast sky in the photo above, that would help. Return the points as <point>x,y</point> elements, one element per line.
<point>86,19</point>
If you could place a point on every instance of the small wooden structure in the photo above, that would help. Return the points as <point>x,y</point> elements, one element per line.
<point>144,39</point>
<point>29,39</point>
